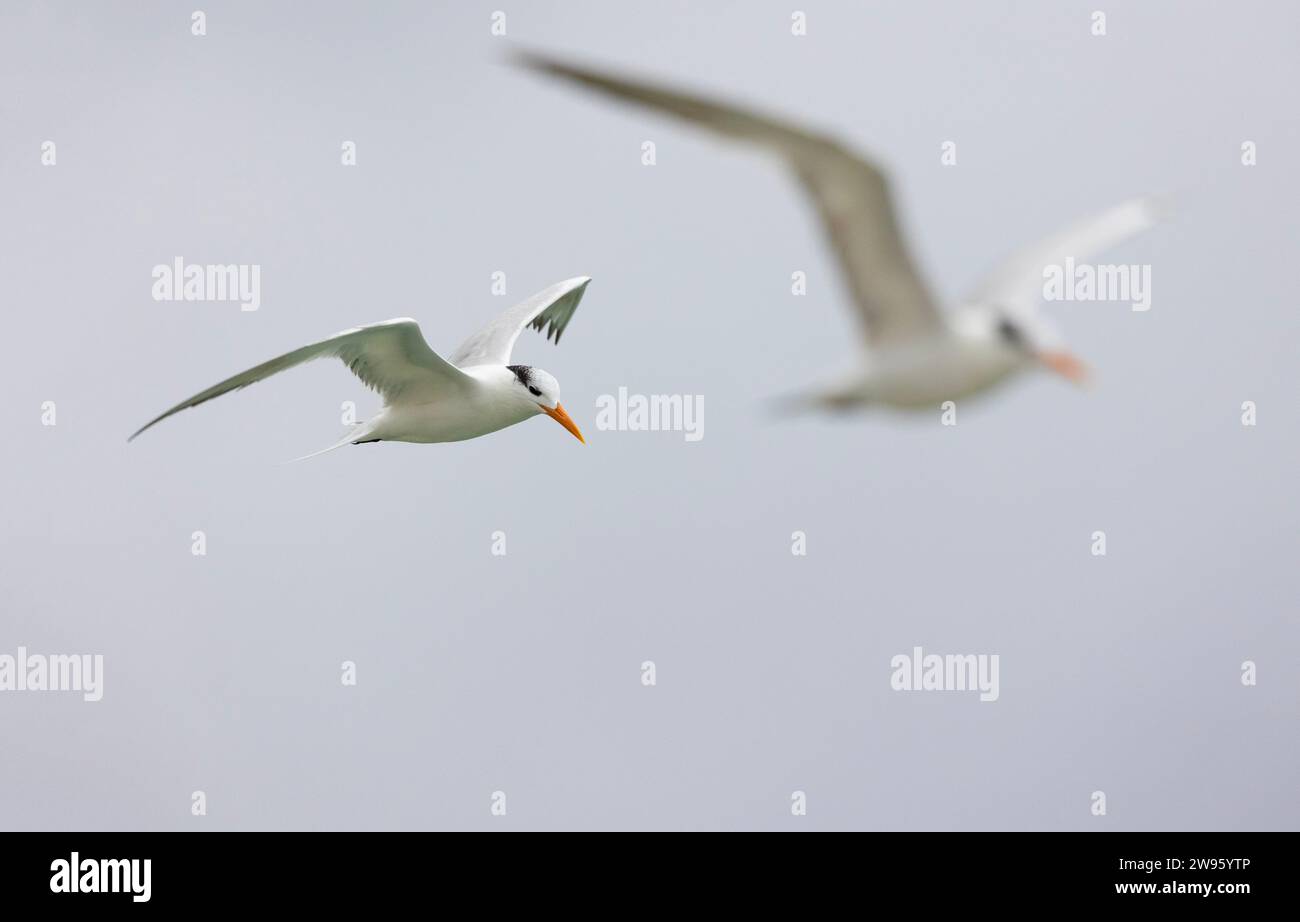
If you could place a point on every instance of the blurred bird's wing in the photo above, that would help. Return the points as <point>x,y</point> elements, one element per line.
<point>851,194</point>
<point>1017,283</point>
<point>390,357</point>
<point>550,308</point>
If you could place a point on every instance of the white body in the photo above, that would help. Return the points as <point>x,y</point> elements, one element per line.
<point>486,406</point>
<point>923,374</point>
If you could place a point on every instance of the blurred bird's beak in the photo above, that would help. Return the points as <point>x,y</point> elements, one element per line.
<point>1065,365</point>
<point>563,419</point>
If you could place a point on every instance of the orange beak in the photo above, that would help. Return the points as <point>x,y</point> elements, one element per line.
<point>1065,365</point>
<point>563,419</point>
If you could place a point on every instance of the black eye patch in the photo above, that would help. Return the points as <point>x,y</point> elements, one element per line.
<point>534,391</point>
<point>1010,333</point>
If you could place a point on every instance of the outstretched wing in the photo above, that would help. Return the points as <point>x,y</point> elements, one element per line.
<point>851,194</point>
<point>549,309</point>
<point>1018,282</point>
<point>390,357</point>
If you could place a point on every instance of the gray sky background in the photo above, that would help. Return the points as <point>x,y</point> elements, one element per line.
<point>479,673</point>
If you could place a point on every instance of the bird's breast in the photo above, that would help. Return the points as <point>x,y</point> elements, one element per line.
<point>452,419</point>
<point>948,371</point>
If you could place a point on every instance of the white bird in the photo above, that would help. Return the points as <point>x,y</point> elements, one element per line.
<point>428,398</point>
<point>915,355</point>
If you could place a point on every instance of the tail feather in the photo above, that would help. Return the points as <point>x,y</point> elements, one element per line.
<point>796,404</point>
<point>358,433</point>
<point>805,402</point>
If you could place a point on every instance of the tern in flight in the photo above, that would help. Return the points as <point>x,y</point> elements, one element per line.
<point>428,398</point>
<point>916,356</point>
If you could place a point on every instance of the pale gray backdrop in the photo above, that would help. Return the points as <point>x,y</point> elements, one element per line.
<point>522,674</point>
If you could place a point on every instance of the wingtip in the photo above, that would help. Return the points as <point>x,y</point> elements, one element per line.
<point>578,283</point>
<point>1153,209</point>
<point>145,428</point>
<point>1160,207</point>
<point>534,60</point>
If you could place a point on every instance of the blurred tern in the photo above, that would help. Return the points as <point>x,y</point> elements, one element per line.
<point>915,355</point>
<point>428,398</point>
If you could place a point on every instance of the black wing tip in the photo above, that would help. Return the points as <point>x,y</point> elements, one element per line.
<point>535,60</point>
<point>542,63</point>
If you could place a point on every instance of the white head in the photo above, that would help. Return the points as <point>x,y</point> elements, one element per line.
<point>541,392</point>
<point>1022,339</point>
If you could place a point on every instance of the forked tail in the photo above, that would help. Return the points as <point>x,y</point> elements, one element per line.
<point>357,434</point>
<point>796,404</point>
<point>805,402</point>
